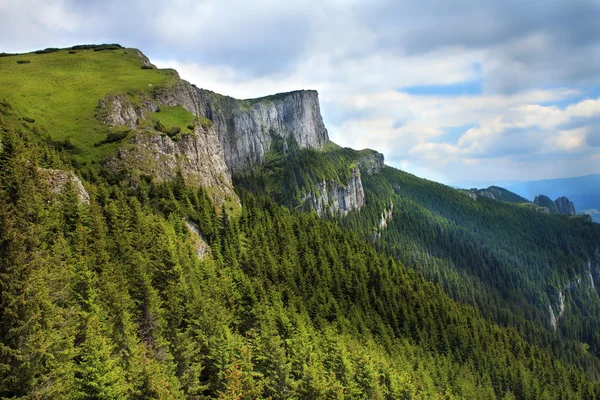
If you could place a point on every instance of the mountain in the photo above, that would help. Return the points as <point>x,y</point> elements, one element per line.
<point>584,191</point>
<point>158,240</point>
<point>498,193</point>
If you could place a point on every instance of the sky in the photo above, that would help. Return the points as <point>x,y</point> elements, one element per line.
<point>453,91</point>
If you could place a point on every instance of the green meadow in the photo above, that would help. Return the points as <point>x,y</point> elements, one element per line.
<point>61,90</point>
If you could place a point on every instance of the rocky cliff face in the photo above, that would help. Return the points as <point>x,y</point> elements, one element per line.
<point>372,163</point>
<point>244,127</point>
<point>198,156</point>
<point>556,315</point>
<point>334,198</point>
<point>562,205</point>
<point>545,202</point>
<point>239,138</point>
<point>565,206</point>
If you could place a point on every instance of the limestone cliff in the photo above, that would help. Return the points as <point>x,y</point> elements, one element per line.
<point>244,127</point>
<point>197,155</point>
<point>237,139</point>
<point>372,163</point>
<point>557,314</point>
<point>331,197</point>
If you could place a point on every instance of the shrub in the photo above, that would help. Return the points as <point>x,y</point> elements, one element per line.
<point>72,52</point>
<point>147,67</point>
<point>47,50</point>
<point>111,46</point>
<point>30,120</point>
<point>65,145</point>
<point>5,107</point>
<point>102,47</point>
<point>159,127</point>
<point>23,61</point>
<point>173,131</point>
<point>112,137</point>
<point>191,127</point>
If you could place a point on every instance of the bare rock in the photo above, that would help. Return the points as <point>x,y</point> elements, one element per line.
<point>202,248</point>
<point>335,198</point>
<point>197,155</point>
<point>57,180</point>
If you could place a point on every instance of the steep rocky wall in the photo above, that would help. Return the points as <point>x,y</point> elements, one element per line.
<point>238,140</point>
<point>564,206</point>
<point>198,156</point>
<point>556,315</point>
<point>332,197</point>
<point>244,126</point>
<point>372,163</point>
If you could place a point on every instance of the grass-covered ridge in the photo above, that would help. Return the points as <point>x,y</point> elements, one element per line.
<point>60,90</point>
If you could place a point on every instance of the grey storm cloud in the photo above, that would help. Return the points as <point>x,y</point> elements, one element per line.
<point>527,43</point>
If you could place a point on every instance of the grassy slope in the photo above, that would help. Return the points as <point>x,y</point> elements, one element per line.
<point>61,90</point>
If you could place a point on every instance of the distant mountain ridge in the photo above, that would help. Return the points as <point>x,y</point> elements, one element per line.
<point>582,191</point>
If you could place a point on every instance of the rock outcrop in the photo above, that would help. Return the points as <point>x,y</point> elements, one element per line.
<point>331,197</point>
<point>386,216</point>
<point>197,156</point>
<point>562,205</point>
<point>202,248</point>
<point>57,180</point>
<point>244,127</point>
<point>373,163</point>
<point>544,201</point>
<point>117,109</point>
<point>556,315</point>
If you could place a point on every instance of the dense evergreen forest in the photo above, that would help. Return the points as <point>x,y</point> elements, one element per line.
<point>110,300</point>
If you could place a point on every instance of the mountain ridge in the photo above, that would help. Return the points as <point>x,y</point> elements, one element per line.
<point>135,281</point>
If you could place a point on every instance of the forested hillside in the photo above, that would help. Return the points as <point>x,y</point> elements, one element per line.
<point>115,284</point>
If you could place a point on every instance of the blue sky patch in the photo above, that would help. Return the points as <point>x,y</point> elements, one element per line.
<point>467,88</point>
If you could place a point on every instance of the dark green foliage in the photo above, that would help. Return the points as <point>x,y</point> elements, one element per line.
<point>72,52</point>
<point>23,61</point>
<point>107,47</point>
<point>112,137</point>
<point>288,174</point>
<point>500,194</point>
<point>170,132</point>
<point>47,50</point>
<point>5,107</point>
<point>66,144</point>
<point>30,120</point>
<point>109,300</point>
<point>147,67</point>
<point>112,46</point>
